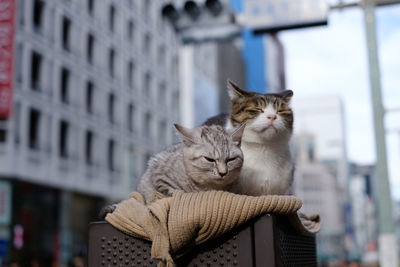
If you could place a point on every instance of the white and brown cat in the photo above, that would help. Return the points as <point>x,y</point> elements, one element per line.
<point>267,167</point>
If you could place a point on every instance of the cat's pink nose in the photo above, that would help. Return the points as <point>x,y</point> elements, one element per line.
<point>272,117</point>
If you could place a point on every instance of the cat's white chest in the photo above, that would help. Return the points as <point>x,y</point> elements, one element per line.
<point>265,171</point>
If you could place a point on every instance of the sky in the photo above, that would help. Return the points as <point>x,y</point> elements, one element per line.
<point>332,60</point>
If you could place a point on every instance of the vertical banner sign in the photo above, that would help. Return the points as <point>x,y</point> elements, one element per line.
<point>7,11</point>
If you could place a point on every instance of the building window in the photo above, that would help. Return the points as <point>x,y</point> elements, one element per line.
<point>17,122</point>
<point>90,48</point>
<point>146,9</point>
<point>66,26</point>
<point>89,97</point>
<point>131,29</point>
<point>21,11</point>
<point>174,69</point>
<point>111,63</point>
<point>3,130</point>
<point>64,85</point>
<point>38,7</point>
<point>111,104</point>
<point>130,74</point>
<point>175,101</point>
<point>130,121</point>
<point>147,125</point>
<point>112,18</point>
<point>162,133</point>
<point>110,154</point>
<point>89,147</point>
<point>147,44</point>
<point>162,94</point>
<point>161,55</point>
<point>147,85</point>
<point>310,151</point>
<point>90,6</point>
<point>19,66</point>
<point>36,64</point>
<point>63,139</point>
<point>33,132</point>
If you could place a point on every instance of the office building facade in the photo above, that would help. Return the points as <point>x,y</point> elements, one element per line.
<point>95,94</point>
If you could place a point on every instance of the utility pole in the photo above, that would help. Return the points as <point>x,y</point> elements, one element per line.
<point>387,238</point>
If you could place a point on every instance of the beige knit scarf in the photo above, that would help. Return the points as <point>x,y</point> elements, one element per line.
<point>175,224</point>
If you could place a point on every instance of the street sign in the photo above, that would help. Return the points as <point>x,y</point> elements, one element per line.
<point>7,18</point>
<point>274,15</point>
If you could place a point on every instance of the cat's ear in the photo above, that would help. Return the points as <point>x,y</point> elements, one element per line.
<point>286,95</point>
<point>237,134</point>
<point>235,91</point>
<point>186,134</point>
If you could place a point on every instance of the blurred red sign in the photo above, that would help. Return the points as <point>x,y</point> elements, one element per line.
<point>7,11</point>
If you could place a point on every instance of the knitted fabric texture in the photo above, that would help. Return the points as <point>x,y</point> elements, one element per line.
<point>175,224</point>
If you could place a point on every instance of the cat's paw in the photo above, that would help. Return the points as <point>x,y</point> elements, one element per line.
<point>106,210</point>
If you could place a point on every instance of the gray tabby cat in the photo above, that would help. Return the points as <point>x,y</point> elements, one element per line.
<point>267,167</point>
<point>209,158</point>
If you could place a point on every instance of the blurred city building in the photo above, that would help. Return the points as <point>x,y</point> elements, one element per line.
<point>263,55</point>
<point>95,94</point>
<point>362,199</point>
<point>321,168</point>
<point>205,69</point>
<point>396,212</point>
<point>198,82</point>
<point>230,66</point>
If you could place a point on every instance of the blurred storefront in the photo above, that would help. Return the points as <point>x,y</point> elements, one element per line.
<point>38,229</point>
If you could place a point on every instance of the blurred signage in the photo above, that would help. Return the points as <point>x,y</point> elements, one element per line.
<point>3,248</point>
<point>7,11</point>
<point>18,236</point>
<point>5,202</point>
<point>274,15</point>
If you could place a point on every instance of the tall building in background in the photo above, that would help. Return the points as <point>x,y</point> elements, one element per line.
<point>205,69</point>
<point>316,186</point>
<point>230,66</point>
<point>364,213</point>
<point>199,97</point>
<point>95,93</point>
<point>321,173</point>
<point>263,55</point>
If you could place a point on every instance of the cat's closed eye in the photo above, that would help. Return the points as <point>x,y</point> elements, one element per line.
<point>283,111</point>
<point>209,159</point>
<point>254,111</point>
<point>231,159</point>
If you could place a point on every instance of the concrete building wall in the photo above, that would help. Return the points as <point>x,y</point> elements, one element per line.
<point>317,187</point>
<point>133,73</point>
<point>230,66</point>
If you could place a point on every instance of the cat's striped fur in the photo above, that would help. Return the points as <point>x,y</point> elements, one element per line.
<point>209,158</point>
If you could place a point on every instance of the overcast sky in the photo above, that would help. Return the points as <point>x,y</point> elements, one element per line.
<point>333,60</point>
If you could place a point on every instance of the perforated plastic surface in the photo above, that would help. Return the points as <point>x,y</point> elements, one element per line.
<point>109,247</point>
<point>261,242</point>
<point>293,249</point>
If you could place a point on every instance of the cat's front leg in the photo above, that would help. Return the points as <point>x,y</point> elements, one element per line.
<point>165,189</point>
